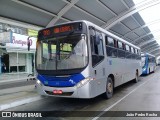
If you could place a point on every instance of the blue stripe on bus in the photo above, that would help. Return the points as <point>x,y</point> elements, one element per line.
<point>60,81</point>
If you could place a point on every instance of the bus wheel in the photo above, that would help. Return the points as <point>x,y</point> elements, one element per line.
<point>109,88</point>
<point>136,78</point>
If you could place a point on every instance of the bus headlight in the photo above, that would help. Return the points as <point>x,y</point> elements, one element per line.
<point>144,69</point>
<point>84,81</point>
<point>39,82</point>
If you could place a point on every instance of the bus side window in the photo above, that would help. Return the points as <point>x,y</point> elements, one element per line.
<point>100,50</point>
<point>124,46</point>
<point>97,49</point>
<point>121,52</point>
<point>133,56</point>
<point>92,37</point>
<point>132,52</point>
<point>111,45</point>
<point>115,43</point>
<point>109,41</point>
<point>139,54</point>
<point>127,51</point>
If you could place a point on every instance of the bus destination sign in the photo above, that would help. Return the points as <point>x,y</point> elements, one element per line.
<point>49,32</point>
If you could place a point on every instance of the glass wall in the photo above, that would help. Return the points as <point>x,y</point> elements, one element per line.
<point>17,62</point>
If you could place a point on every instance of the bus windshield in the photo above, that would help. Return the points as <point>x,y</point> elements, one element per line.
<point>62,53</point>
<point>143,61</point>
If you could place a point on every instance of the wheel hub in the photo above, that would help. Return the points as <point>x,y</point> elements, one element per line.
<point>109,87</point>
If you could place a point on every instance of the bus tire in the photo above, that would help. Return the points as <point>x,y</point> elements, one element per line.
<point>136,77</point>
<point>109,88</point>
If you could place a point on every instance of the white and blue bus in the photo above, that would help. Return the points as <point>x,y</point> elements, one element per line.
<point>148,63</point>
<point>158,61</point>
<point>79,59</point>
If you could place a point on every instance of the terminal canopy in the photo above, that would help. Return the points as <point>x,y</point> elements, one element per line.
<point>125,18</point>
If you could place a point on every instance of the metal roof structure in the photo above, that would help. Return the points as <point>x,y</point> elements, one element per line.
<point>120,17</point>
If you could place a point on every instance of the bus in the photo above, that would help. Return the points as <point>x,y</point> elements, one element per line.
<point>158,61</point>
<point>79,59</point>
<point>148,63</point>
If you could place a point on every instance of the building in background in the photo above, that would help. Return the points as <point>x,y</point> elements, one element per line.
<point>15,55</point>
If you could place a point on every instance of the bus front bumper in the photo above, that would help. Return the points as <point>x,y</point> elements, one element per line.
<point>68,92</point>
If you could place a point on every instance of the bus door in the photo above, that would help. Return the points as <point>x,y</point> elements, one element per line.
<point>98,66</point>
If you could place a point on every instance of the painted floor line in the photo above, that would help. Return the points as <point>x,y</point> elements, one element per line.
<point>107,109</point>
<point>19,102</point>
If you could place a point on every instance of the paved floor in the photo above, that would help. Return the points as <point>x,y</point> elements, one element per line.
<point>143,96</point>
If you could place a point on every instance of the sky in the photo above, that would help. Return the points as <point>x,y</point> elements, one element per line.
<point>149,15</point>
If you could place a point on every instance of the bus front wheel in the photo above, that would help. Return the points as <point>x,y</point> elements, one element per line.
<point>109,88</point>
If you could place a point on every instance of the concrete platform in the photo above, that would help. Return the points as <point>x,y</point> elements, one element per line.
<point>13,97</point>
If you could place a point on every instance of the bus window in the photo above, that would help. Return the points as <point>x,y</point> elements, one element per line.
<point>120,46</point>
<point>65,49</point>
<point>143,61</point>
<point>139,54</point>
<point>100,45</point>
<point>128,54</point>
<point>45,51</point>
<point>135,51</point>
<point>111,45</point>
<point>48,51</point>
<point>110,41</point>
<point>124,46</point>
<point>132,50</point>
<point>115,43</point>
<point>127,48</point>
<point>92,37</point>
<point>97,48</point>
<point>121,52</point>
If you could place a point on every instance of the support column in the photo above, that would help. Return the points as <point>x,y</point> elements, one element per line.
<point>0,66</point>
<point>17,63</point>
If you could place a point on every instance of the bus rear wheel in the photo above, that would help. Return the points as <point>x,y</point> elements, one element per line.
<point>109,88</point>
